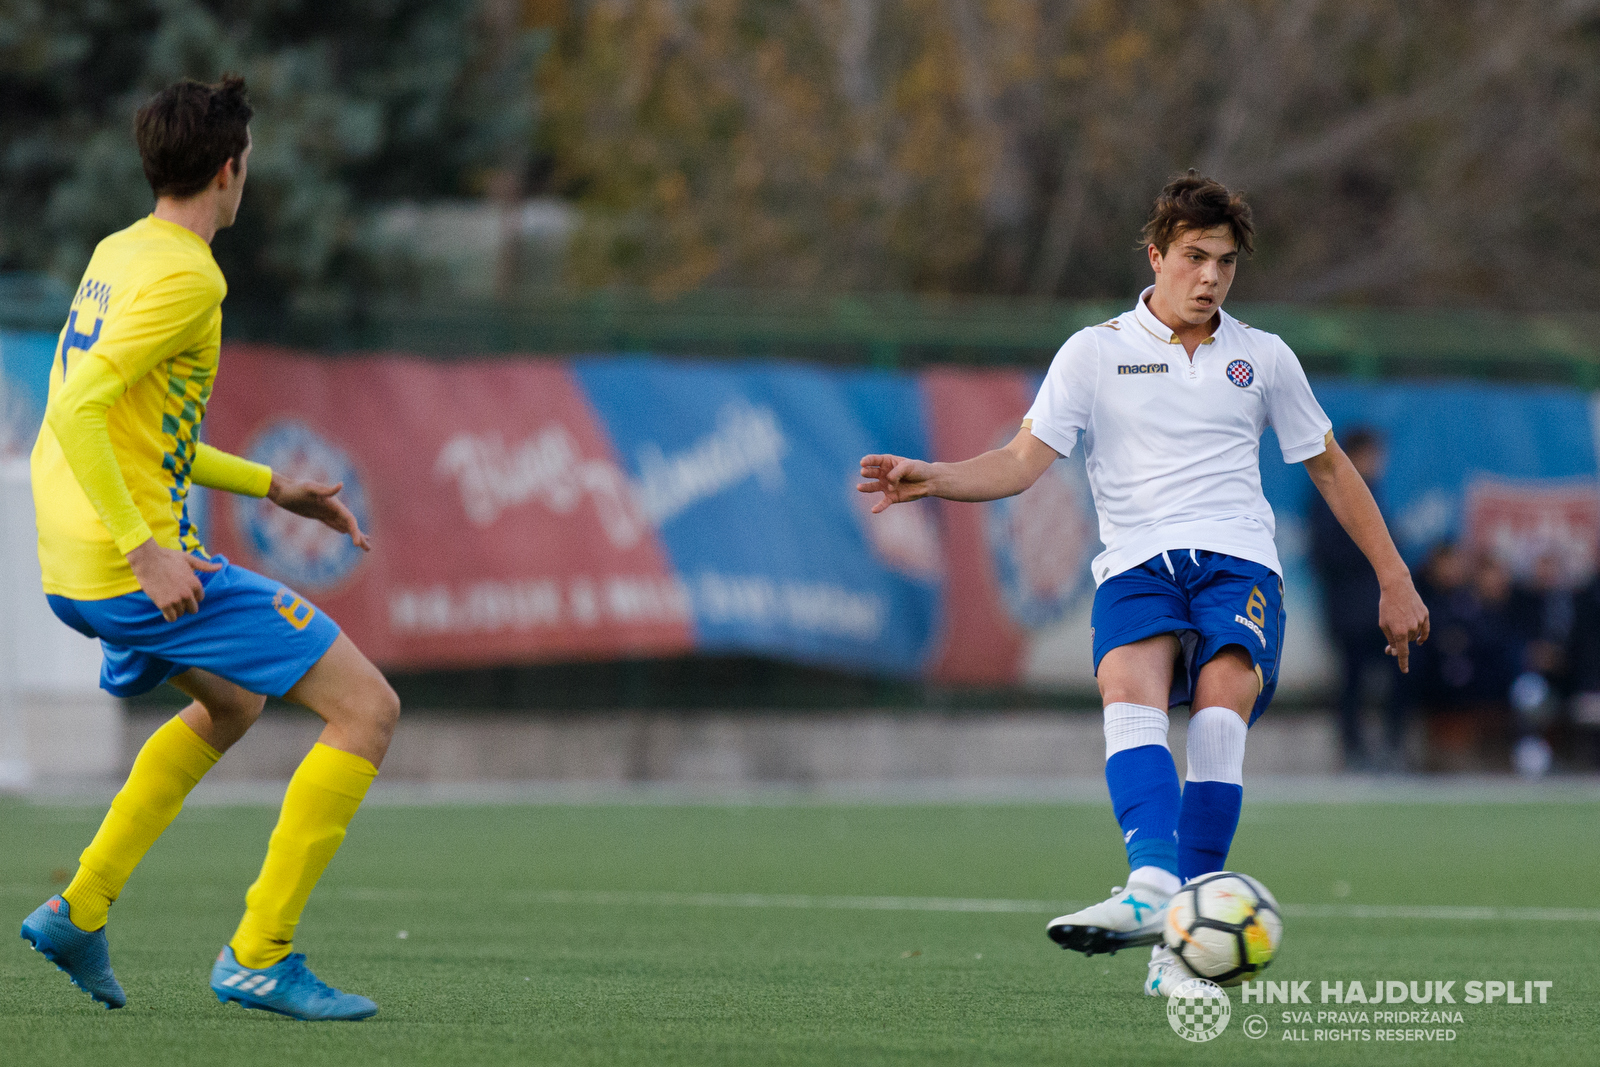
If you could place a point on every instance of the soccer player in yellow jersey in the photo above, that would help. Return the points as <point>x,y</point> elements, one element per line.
<point>116,455</point>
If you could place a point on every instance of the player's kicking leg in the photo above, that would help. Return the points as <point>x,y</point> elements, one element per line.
<point>1135,683</point>
<point>258,967</point>
<point>69,929</point>
<point>1228,691</point>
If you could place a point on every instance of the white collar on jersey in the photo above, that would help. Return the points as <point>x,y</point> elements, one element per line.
<point>1158,329</point>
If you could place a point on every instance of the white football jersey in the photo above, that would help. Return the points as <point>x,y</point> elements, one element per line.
<point>1172,444</point>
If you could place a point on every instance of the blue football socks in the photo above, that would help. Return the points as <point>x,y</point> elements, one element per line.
<point>1144,785</point>
<point>1214,792</point>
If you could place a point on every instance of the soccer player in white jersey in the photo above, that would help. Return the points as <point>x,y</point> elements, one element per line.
<point>1172,398</point>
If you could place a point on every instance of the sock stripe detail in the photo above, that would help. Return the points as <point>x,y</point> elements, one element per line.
<point>1133,726</point>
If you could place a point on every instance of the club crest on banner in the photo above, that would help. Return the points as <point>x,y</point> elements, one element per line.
<point>300,551</point>
<point>1041,543</point>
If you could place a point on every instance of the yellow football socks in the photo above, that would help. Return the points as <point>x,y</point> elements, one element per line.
<point>168,766</point>
<point>321,800</point>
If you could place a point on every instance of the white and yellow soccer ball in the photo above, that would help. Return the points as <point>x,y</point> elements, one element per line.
<point>1224,926</point>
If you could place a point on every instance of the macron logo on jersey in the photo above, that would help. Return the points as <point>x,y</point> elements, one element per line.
<point>1142,368</point>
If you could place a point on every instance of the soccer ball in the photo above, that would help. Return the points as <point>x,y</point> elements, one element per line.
<point>1224,926</point>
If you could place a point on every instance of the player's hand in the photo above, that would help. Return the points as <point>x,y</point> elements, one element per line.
<point>1403,618</point>
<point>897,478</point>
<point>320,502</point>
<point>168,578</point>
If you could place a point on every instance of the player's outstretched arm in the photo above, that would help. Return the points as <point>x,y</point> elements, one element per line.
<point>1402,616</point>
<point>317,501</point>
<point>217,469</point>
<point>999,473</point>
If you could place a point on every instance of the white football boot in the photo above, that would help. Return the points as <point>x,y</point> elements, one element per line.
<point>1129,918</point>
<point>1167,972</point>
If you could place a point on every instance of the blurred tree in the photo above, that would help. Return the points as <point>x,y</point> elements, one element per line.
<point>357,103</point>
<point>1436,151</point>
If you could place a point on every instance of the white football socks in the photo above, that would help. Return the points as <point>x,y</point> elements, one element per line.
<point>1133,726</point>
<point>1216,746</point>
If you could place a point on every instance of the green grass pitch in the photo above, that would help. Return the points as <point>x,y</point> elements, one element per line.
<point>496,967</point>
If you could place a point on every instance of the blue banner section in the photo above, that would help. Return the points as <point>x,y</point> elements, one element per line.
<point>747,472</point>
<point>25,359</point>
<point>1441,438</point>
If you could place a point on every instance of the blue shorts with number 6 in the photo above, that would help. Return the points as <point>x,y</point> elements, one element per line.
<point>1209,601</point>
<point>251,630</point>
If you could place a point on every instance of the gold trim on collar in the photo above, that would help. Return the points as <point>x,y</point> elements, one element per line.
<point>1173,340</point>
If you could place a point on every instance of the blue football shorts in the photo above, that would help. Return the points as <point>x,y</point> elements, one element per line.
<point>255,632</point>
<point>1209,600</point>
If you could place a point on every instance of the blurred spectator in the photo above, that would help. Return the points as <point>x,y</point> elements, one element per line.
<point>1542,613</point>
<point>1498,643</point>
<point>1350,603</point>
<point>1583,673</point>
<point>1462,678</point>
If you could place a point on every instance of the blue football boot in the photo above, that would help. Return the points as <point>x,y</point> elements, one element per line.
<point>287,987</point>
<point>85,956</point>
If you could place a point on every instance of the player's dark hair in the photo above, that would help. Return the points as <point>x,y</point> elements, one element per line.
<point>187,132</point>
<point>1192,201</point>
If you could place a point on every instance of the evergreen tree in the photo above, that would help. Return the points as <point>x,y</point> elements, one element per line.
<point>358,103</point>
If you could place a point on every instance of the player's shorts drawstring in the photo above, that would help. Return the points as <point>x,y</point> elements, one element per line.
<point>1192,558</point>
<point>1169,563</point>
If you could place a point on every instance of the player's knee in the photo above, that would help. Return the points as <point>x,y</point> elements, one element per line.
<point>237,710</point>
<point>1112,690</point>
<point>376,705</point>
<point>386,705</point>
<point>1125,687</point>
<point>1230,679</point>
<point>1233,667</point>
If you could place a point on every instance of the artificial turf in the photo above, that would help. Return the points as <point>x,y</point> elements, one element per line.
<point>445,916</point>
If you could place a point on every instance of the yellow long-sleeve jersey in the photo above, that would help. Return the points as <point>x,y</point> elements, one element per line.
<point>120,442</point>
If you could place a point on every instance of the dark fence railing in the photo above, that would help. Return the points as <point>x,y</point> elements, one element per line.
<point>887,330</point>
<point>901,330</point>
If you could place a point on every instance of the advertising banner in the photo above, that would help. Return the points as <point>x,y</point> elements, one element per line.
<point>502,527</point>
<point>536,510</point>
<point>531,510</point>
<point>745,474</point>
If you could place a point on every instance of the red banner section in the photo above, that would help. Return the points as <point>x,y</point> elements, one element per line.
<point>503,528</point>
<point>1017,567</point>
<point>971,412</point>
<point>1524,523</point>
